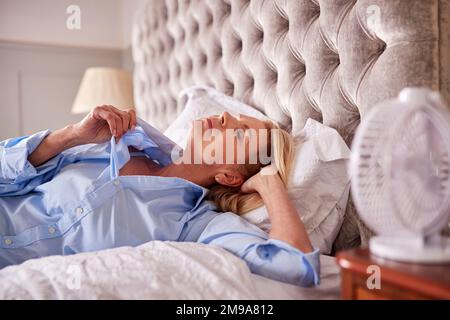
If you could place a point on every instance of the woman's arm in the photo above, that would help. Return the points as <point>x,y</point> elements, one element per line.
<point>55,143</point>
<point>286,223</point>
<point>286,254</point>
<point>97,127</point>
<point>268,257</point>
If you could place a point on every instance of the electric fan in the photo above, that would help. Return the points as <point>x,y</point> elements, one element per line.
<point>400,168</point>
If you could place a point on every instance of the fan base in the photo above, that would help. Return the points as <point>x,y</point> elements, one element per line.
<point>411,249</point>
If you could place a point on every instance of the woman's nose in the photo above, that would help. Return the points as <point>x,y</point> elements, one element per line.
<point>224,118</point>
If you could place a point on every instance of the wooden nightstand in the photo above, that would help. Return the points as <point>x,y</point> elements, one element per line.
<point>397,280</point>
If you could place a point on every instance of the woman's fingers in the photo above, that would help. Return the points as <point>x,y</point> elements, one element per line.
<point>118,121</point>
<point>127,117</point>
<point>113,120</point>
<point>125,121</point>
<point>133,119</point>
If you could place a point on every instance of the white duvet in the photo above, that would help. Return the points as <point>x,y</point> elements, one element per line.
<point>155,270</point>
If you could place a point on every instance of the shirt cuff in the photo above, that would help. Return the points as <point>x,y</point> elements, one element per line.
<point>310,261</point>
<point>14,153</point>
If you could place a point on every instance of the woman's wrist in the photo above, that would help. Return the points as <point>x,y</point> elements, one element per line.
<point>68,137</point>
<point>55,143</point>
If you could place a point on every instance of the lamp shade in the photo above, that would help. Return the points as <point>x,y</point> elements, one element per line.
<point>104,86</point>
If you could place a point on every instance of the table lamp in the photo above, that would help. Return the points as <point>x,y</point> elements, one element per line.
<point>104,86</point>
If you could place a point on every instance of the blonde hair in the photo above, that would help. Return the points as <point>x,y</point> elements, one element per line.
<point>232,198</point>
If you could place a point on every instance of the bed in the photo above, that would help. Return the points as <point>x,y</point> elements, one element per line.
<point>155,270</point>
<point>329,60</point>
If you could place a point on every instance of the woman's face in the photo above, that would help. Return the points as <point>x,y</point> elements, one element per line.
<point>228,139</point>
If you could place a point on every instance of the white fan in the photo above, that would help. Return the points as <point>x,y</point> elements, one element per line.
<point>400,170</point>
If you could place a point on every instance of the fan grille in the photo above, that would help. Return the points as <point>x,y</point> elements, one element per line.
<point>400,166</point>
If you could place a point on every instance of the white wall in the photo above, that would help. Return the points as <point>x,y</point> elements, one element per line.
<point>129,9</point>
<point>38,84</point>
<point>42,62</point>
<point>104,23</point>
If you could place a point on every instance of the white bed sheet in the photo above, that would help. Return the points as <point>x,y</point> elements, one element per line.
<point>155,270</point>
<point>329,288</point>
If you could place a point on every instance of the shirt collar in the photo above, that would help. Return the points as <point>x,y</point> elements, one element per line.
<point>146,138</point>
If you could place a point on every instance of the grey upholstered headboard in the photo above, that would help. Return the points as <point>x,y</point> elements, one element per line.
<point>292,59</point>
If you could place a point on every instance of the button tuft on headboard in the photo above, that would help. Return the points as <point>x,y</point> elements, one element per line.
<point>227,8</point>
<point>209,18</point>
<point>203,59</point>
<point>195,27</point>
<point>229,88</point>
<point>189,65</point>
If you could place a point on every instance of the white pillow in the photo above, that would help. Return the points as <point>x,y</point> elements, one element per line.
<point>319,184</point>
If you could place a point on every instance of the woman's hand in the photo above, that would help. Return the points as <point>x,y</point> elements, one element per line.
<point>286,223</point>
<point>102,123</point>
<point>98,126</point>
<point>262,181</point>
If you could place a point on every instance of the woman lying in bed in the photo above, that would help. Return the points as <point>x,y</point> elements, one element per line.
<point>71,191</point>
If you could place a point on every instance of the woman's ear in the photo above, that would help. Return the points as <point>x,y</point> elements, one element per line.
<point>229,178</point>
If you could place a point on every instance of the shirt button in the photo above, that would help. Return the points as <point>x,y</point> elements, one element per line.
<point>8,242</point>
<point>51,230</point>
<point>116,182</point>
<point>79,210</point>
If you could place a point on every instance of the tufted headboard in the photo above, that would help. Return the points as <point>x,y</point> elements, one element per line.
<point>330,60</point>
